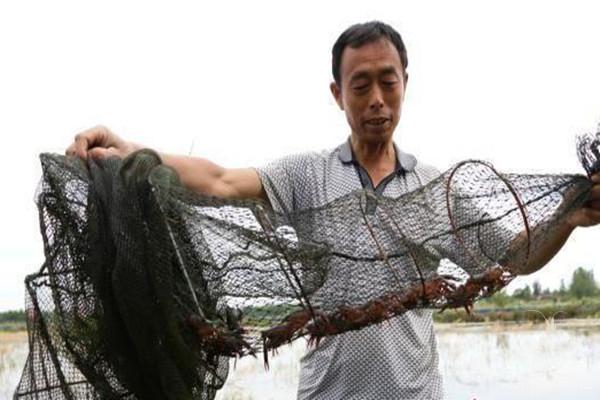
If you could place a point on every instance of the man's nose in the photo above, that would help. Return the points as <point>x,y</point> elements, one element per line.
<point>376,101</point>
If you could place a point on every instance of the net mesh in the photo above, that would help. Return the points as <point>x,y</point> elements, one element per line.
<point>148,289</point>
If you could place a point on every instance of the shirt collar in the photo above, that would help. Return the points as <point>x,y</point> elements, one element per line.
<point>404,161</point>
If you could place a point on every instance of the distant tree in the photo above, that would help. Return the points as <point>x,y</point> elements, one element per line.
<point>522,293</point>
<point>583,283</point>
<point>537,289</point>
<point>12,316</point>
<point>563,289</point>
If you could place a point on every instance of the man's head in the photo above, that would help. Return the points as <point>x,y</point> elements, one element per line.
<point>369,69</point>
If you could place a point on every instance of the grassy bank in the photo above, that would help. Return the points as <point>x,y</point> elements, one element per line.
<point>12,321</point>
<point>542,310</point>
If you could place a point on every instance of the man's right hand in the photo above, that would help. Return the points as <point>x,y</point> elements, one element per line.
<point>99,142</point>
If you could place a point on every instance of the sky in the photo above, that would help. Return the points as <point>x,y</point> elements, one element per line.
<point>243,83</point>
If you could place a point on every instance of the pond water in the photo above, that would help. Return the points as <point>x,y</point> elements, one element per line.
<point>13,352</point>
<point>477,362</point>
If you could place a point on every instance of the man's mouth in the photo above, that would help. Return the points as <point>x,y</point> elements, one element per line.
<point>376,121</point>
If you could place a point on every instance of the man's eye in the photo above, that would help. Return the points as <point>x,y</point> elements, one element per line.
<point>390,83</point>
<point>360,87</point>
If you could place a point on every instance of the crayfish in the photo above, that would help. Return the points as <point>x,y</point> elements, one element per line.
<point>285,332</point>
<point>477,286</point>
<point>222,339</point>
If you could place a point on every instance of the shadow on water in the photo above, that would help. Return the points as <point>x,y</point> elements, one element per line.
<point>544,361</point>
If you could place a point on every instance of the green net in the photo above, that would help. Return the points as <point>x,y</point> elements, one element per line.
<point>148,289</point>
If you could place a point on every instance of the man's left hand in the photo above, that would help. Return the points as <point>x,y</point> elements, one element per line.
<point>589,213</point>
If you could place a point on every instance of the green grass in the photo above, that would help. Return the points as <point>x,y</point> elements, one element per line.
<point>488,310</point>
<point>12,321</point>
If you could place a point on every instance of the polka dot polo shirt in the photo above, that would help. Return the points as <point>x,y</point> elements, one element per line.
<point>396,359</point>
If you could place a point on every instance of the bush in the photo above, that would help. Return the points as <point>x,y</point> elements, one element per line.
<point>523,294</point>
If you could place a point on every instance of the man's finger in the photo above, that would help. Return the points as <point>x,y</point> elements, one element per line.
<point>102,153</point>
<point>70,150</point>
<point>98,153</point>
<point>595,178</point>
<point>98,136</point>
<point>81,146</point>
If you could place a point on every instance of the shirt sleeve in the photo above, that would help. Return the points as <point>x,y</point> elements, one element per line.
<point>287,181</point>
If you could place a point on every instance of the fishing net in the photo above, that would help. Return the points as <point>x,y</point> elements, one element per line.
<point>148,289</point>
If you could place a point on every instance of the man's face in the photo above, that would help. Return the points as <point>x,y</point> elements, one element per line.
<point>372,90</point>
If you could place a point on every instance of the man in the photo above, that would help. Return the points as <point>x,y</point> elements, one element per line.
<point>398,360</point>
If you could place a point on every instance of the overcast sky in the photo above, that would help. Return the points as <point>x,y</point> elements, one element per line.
<point>511,82</point>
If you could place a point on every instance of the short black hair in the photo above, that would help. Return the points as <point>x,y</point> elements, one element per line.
<point>360,34</point>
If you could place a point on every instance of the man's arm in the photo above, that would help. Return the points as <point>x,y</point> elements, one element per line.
<point>554,239</point>
<point>197,174</point>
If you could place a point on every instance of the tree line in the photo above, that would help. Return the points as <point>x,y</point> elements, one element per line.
<point>582,285</point>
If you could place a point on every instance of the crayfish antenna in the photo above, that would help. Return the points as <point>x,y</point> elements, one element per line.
<point>265,352</point>
<point>266,357</point>
<point>314,341</point>
<point>252,353</point>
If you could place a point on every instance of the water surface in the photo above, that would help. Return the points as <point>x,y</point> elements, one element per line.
<point>484,362</point>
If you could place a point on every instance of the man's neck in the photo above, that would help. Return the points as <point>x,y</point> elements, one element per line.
<point>378,156</point>
<point>378,159</point>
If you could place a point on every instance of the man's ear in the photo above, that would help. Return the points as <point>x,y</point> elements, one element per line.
<point>337,94</point>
